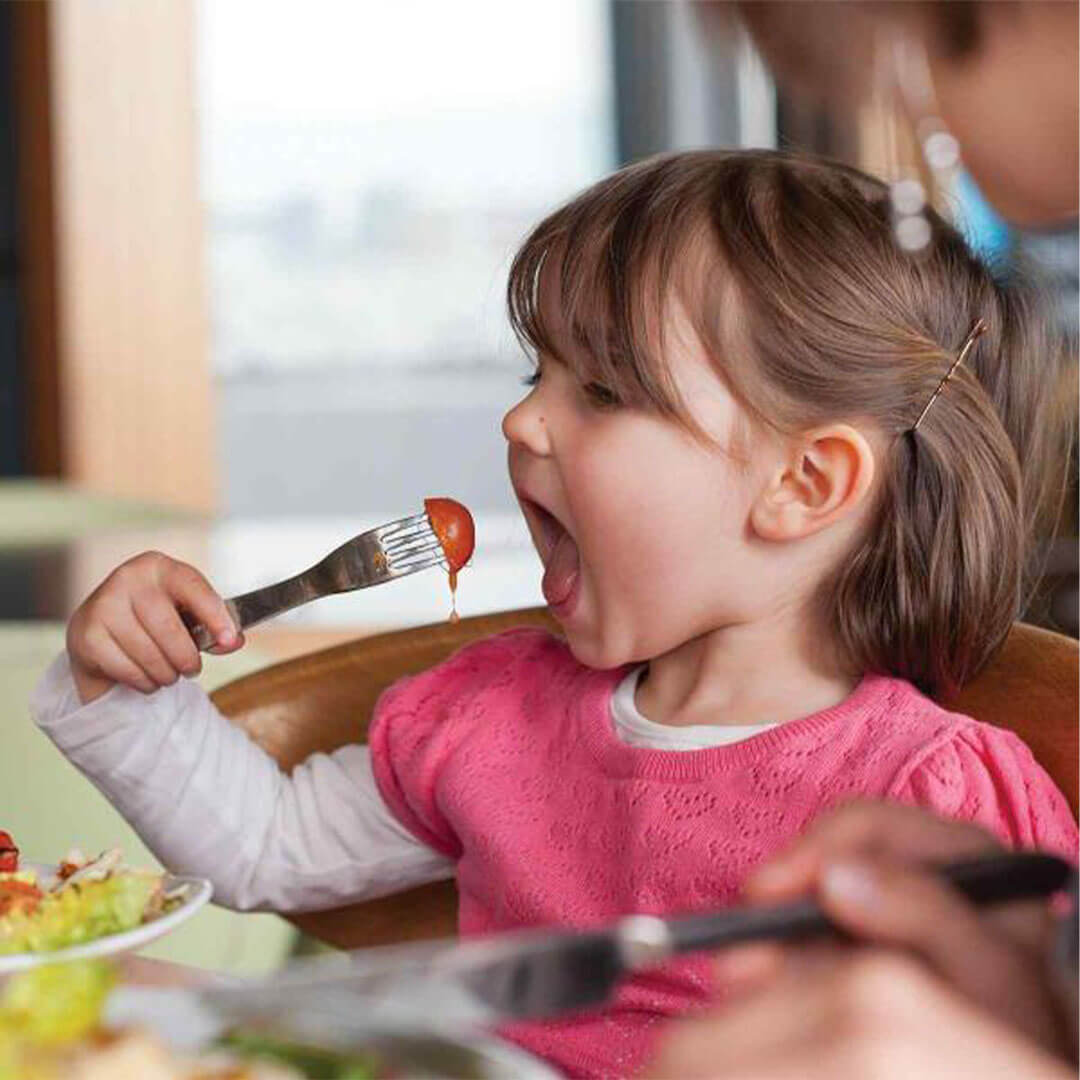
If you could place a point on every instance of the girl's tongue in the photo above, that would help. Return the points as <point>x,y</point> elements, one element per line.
<point>561,571</point>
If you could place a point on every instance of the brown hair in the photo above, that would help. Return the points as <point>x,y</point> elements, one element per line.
<point>830,321</point>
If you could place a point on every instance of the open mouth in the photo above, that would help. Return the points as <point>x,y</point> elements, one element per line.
<point>547,529</point>
<point>558,552</point>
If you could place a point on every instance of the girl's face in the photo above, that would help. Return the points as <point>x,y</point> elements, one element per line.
<point>643,530</point>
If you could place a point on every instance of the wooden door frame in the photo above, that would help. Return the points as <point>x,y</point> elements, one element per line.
<point>114,333</point>
<point>39,366</point>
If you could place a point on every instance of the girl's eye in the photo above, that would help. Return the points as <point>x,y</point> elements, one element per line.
<point>600,395</point>
<point>532,378</point>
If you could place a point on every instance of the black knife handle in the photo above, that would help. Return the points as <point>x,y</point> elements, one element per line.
<point>990,879</point>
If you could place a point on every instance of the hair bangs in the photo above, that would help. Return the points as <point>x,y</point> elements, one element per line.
<point>590,288</point>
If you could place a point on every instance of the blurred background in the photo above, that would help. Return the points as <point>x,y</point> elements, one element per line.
<point>252,261</point>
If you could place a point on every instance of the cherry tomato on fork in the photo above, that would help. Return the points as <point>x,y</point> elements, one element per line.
<point>9,854</point>
<point>453,525</point>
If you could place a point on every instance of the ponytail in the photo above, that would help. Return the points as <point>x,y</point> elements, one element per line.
<point>943,570</point>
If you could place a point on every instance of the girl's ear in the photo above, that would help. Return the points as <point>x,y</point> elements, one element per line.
<point>825,478</point>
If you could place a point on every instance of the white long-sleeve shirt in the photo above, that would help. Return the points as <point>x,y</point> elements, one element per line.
<point>208,801</point>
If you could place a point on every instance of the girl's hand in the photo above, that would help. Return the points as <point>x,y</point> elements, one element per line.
<point>130,630</point>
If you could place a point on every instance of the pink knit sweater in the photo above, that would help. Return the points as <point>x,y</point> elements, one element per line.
<point>505,758</point>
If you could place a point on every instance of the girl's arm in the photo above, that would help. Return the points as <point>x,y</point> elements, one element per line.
<point>988,776</point>
<point>207,801</point>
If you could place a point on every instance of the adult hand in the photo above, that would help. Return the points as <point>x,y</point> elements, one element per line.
<point>867,864</point>
<point>875,1015</point>
<point>939,988</point>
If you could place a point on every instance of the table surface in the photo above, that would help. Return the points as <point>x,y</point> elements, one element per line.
<point>134,970</point>
<point>146,971</point>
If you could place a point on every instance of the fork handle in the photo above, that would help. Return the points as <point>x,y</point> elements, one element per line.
<point>253,607</point>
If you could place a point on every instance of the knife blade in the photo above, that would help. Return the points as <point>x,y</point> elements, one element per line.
<point>541,973</point>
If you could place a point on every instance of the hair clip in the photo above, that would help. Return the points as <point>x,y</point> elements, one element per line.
<point>977,332</point>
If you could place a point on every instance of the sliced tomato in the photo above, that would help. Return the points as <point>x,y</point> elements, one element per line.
<point>18,895</point>
<point>453,525</point>
<point>9,854</point>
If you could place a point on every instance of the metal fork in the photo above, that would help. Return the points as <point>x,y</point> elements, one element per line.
<point>372,558</point>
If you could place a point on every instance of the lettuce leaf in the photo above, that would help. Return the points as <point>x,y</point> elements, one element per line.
<point>79,914</point>
<point>56,1003</point>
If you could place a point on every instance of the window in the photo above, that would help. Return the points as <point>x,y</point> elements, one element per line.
<point>368,171</point>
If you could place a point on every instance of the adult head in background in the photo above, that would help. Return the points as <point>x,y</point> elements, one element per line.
<point>1002,76</point>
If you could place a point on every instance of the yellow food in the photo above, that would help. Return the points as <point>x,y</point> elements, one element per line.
<point>79,913</point>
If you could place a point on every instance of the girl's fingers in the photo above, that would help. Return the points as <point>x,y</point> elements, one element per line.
<point>114,662</point>
<point>904,833</point>
<point>138,646</point>
<point>162,623</point>
<point>191,591</point>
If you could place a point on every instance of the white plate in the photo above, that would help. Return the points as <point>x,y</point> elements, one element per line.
<point>181,1020</point>
<point>198,893</point>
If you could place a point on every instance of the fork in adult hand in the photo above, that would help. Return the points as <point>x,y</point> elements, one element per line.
<point>372,558</point>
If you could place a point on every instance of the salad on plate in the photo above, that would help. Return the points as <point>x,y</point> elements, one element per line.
<point>44,909</point>
<point>52,1027</point>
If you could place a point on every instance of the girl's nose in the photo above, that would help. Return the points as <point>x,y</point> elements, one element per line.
<point>525,425</point>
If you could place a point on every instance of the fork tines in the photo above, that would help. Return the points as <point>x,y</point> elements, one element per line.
<point>410,544</point>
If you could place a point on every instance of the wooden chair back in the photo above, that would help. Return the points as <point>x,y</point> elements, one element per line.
<point>324,700</point>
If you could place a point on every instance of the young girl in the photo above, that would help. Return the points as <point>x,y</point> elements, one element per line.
<point>772,466</point>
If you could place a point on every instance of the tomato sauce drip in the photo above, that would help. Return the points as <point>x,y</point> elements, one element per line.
<point>454,616</point>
